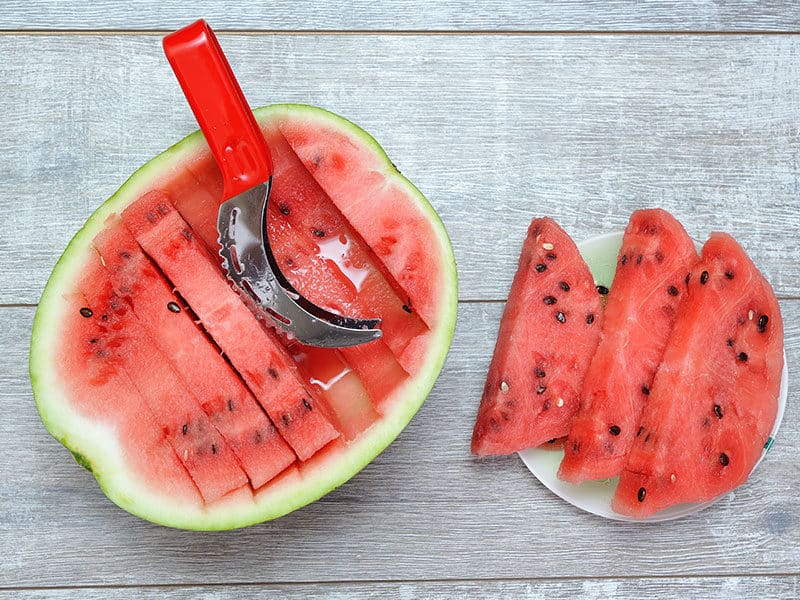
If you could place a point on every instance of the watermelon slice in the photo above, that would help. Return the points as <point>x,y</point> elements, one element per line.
<point>222,395</point>
<point>653,264</point>
<point>116,411</point>
<point>549,331</point>
<point>714,400</point>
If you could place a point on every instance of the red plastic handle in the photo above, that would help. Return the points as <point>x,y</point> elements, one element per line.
<point>220,107</point>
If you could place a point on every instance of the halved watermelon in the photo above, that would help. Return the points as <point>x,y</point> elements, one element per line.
<point>328,405</point>
<point>651,277</point>
<point>548,334</point>
<point>715,396</point>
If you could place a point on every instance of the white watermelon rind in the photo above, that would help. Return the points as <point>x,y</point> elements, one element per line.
<point>94,444</point>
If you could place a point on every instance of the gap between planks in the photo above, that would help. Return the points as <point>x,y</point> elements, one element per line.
<point>341,582</point>
<point>405,32</point>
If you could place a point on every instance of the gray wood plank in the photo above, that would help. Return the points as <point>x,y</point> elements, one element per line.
<point>707,588</point>
<point>494,129</point>
<point>485,15</point>
<point>425,509</point>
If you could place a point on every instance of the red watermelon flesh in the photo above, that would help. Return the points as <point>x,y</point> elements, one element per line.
<point>653,263</point>
<point>118,337</point>
<point>549,331</point>
<point>265,365</point>
<point>715,397</point>
<point>104,394</point>
<point>231,408</point>
<point>351,175</point>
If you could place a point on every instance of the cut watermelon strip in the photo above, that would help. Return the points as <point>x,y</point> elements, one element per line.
<point>103,392</point>
<point>549,331</point>
<point>254,440</point>
<point>340,270</point>
<point>653,263</point>
<point>715,396</point>
<point>259,358</point>
<point>357,181</point>
<point>119,336</point>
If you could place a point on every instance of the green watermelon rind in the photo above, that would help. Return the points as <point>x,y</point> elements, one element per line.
<point>94,444</point>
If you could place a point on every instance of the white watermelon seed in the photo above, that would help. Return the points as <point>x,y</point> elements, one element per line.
<point>673,478</point>
<point>750,315</point>
<point>560,402</point>
<point>547,246</point>
<point>185,455</point>
<point>503,387</point>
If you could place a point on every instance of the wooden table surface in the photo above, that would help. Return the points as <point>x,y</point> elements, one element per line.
<point>498,112</point>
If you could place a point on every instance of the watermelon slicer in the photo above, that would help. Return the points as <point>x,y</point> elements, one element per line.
<point>245,161</point>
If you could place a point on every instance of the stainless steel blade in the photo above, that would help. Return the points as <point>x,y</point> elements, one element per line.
<point>250,264</point>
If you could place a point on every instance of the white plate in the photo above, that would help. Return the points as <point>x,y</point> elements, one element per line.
<point>600,253</point>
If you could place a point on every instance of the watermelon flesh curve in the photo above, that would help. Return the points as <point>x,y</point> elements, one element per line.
<point>652,266</point>
<point>96,408</point>
<point>714,400</point>
<point>258,447</point>
<point>549,331</point>
<point>118,337</point>
<point>263,363</point>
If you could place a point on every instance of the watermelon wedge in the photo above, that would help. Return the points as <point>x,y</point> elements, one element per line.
<point>549,331</point>
<point>651,277</point>
<point>714,399</point>
<point>279,425</point>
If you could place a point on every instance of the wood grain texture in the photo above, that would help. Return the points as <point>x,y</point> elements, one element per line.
<point>423,510</point>
<point>484,15</point>
<point>494,129</point>
<point>707,588</point>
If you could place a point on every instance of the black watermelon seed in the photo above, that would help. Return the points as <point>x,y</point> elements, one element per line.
<point>549,300</point>
<point>602,290</point>
<point>659,257</point>
<point>407,308</point>
<point>762,323</point>
<point>730,342</point>
<point>185,428</point>
<point>688,277</point>
<point>104,317</point>
<point>576,446</point>
<point>213,448</point>
<point>93,341</point>
<point>187,233</point>
<point>285,208</point>
<point>306,404</point>
<point>642,493</point>
<point>539,372</point>
<point>647,438</point>
<point>742,357</point>
<point>541,268</point>
<point>560,317</point>
<point>645,390</point>
<point>673,291</point>
<point>718,411</point>
<point>614,430</point>
<point>638,433</point>
<point>553,441</point>
<point>541,389</point>
<point>624,259</point>
<point>729,274</point>
<point>272,373</point>
<point>230,405</point>
<point>704,277</point>
<point>285,419</point>
<point>174,307</point>
<point>639,259</point>
<point>724,460</point>
<point>550,256</point>
<point>589,319</point>
<point>318,232</point>
<point>563,285</point>
<point>86,312</point>
<point>257,437</point>
<point>546,405</point>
